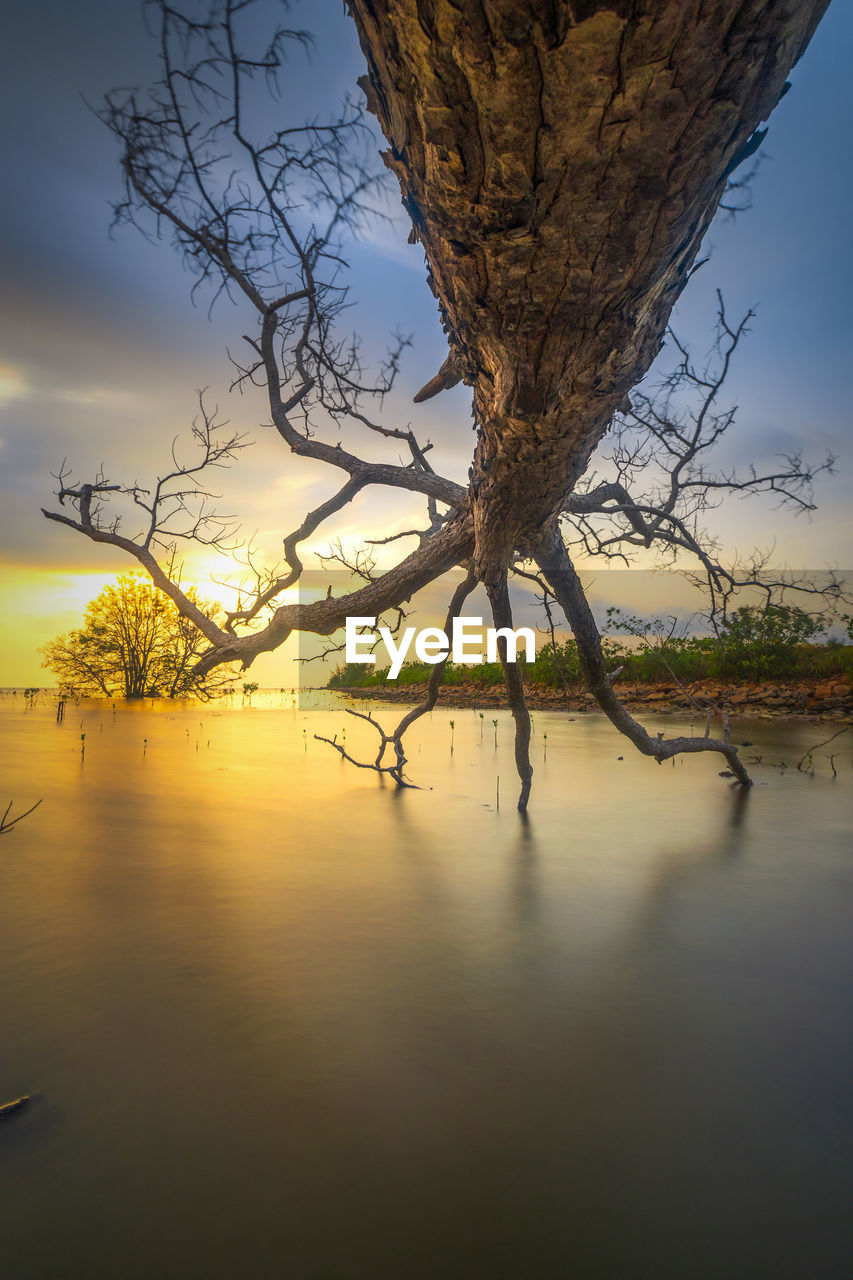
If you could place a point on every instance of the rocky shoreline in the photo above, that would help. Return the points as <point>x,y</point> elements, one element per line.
<point>823,700</point>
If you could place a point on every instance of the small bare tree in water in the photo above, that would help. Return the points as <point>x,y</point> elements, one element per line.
<point>560,185</point>
<point>8,824</point>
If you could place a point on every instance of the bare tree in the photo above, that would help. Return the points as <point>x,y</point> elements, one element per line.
<point>8,824</point>
<point>560,181</point>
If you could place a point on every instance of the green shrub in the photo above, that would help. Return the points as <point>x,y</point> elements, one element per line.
<point>766,643</point>
<point>753,645</point>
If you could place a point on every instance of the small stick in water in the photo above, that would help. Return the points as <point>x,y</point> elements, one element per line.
<point>9,1108</point>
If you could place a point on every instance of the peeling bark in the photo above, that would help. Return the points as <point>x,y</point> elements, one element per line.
<point>561,163</point>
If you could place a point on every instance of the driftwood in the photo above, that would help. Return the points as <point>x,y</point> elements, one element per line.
<point>9,1108</point>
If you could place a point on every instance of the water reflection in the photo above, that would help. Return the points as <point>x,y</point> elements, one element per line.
<point>739,807</point>
<point>525,891</point>
<point>304,1026</point>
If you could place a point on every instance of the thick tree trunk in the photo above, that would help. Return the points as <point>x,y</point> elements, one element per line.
<point>561,163</point>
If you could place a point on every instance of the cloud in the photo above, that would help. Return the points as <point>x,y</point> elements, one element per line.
<point>106,397</point>
<point>13,384</point>
<point>388,238</point>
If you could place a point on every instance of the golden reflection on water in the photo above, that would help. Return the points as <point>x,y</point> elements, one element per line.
<point>308,1026</point>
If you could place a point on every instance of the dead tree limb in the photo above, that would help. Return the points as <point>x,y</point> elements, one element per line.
<point>654,481</point>
<point>811,750</point>
<point>394,739</point>
<point>560,180</point>
<point>559,572</point>
<point>6,825</point>
<point>513,679</point>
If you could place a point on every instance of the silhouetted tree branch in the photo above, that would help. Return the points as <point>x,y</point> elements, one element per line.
<point>560,188</point>
<point>662,482</point>
<point>394,740</point>
<point>7,824</point>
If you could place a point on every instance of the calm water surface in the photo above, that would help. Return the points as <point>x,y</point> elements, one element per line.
<point>283,1023</point>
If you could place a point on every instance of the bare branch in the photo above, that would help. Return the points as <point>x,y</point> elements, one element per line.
<point>513,679</point>
<point>267,216</point>
<point>559,572</point>
<point>6,825</point>
<point>663,441</point>
<point>810,750</point>
<point>394,740</point>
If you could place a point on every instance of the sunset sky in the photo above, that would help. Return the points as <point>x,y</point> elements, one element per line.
<point>102,350</point>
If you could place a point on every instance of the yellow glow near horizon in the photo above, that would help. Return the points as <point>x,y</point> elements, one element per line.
<point>37,604</point>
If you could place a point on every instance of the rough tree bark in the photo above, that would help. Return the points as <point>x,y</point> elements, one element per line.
<point>561,163</point>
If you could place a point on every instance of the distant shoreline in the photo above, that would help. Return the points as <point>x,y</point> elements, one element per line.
<point>802,699</point>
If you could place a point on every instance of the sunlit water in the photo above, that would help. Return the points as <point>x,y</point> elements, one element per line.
<point>284,1023</point>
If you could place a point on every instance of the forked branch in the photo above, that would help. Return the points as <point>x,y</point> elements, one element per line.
<point>559,572</point>
<point>394,740</point>
<point>7,824</point>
